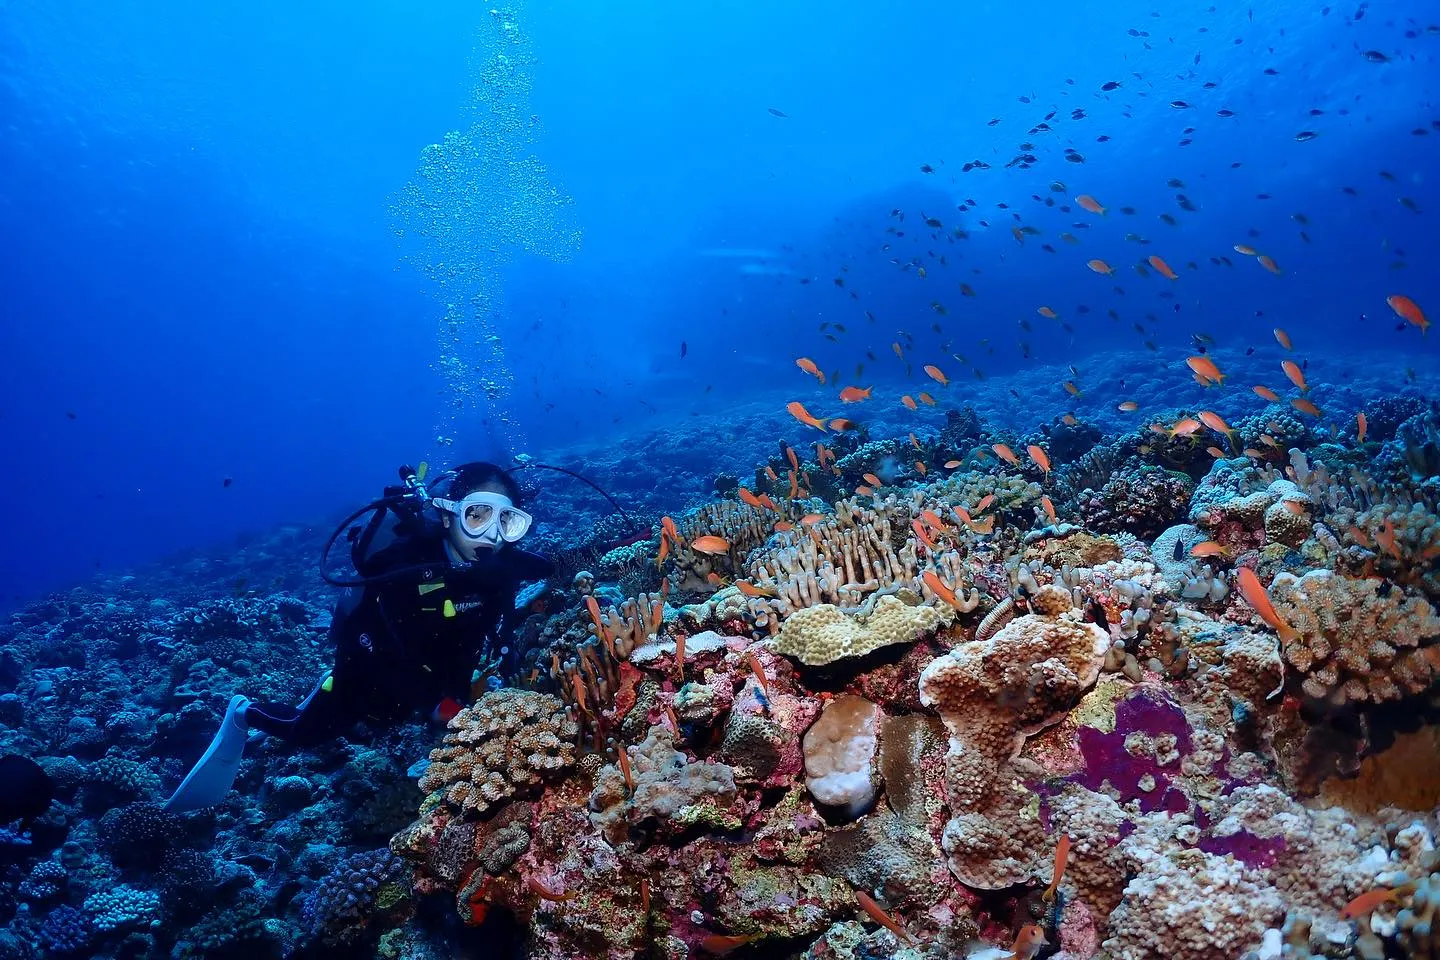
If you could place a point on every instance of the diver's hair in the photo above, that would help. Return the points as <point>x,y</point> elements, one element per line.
<point>470,477</point>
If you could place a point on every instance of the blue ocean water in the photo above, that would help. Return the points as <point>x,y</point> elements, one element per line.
<point>223,311</point>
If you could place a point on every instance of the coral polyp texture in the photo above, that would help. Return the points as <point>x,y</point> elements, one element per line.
<point>502,746</point>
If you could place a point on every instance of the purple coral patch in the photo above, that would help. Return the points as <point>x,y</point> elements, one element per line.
<point>1249,849</point>
<point>1107,760</point>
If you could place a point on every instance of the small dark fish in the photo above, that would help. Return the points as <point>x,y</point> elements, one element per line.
<point>25,789</point>
<point>71,415</point>
<point>1304,135</point>
<point>926,168</point>
<point>1179,104</point>
<point>1110,85</point>
<point>228,481</point>
<point>776,113</point>
<point>1226,114</point>
<point>684,349</point>
<point>1179,550</point>
<point>1375,56</point>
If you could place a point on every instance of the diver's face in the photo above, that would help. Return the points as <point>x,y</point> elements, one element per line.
<point>469,549</point>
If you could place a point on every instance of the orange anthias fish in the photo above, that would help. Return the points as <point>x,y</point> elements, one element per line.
<point>1259,600</point>
<point>1028,942</point>
<point>1163,268</point>
<point>1047,313</point>
<point>749,498</point>
<point>1049,507</point>
<point>840,424</point>
<point>1296,375</point>
<point>952,464</point>
<point>923,536</point>
<point>1245,251</point>
<point>933,581</point>
<point>1101,267</point>
<point>808,365</point>
<point>1041,458</point>
<point>1005,453</point>
<point>720,944</point>
<point>871,479</point>
<point>934,373</point>
<point>855,394</point>
<point>1062,856</point>
<point>545,893</point>
<point>1071,389</point>
<point>1265,393</point>
<point>909,402</point>
<point>1269,264</point>
<point>1409,310</point>
<point>1214,421</point>
<point>1305,406</point>
<point>1128,406</point>
<point>710,544</point>
<point>868,904</point>
<point>1282,338</point>
<point>985,501</point>
<point>1361,425</point>
<point>1366,903</point>
<point>1088,202</point>
<point>798,411</point>
<point>926,399</point>
<point>1184,428</point>
<point>1209,548</point>
<point>759,672</point>
<point>750,590</point>
<point>1205,368</point>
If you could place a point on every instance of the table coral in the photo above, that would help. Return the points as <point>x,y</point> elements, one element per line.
<point>1355,644</point>
<point>823,634</point>
<point>504,745</point>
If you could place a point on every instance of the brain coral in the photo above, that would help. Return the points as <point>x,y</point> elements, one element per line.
<point>823,634</point>
<point>500,747</point>
<point>1355,644</point>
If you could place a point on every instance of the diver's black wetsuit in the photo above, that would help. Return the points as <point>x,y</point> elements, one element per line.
<point>403,645</point>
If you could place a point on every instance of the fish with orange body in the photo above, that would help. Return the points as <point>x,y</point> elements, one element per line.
<point>759,672</point>
<point>935,373</point>
<point>1100,267</point>
<point>1265,393</point>
<point>1041,458</point>
<point>1269,264</point>
<point>1128,406</point>
<point>922,536</point>
<point>1004,452</point>
<point>985,501</point>
<point>920,467</point>
<point>1163,268</point>
<point>1214,421</point>
<point>1305,406</point>
<point>1255,595</point>
<point>1049,507</point>
<point>1408,310</point>
<point>1282,338</point>
<point>710,544</point>
<point>1386,539</point>
<point>1208,548</point>
<point>720,944</point>
<point>1245,251</point>
<point>1361,425</point>
<point>798,411</point>
<point>1028,942</point>
<point>871,479</point>
<point>909,402</point>
<point>1183,428</point>
<point>1048,313</point>
<point>1205,368</point>
<point>933,581</point>
<point>925,398</point>
<point>855,394</point>
<point>1087,202</point>
<point>808,365</point>
<point>1367,903</point>
<point>865,491</point>
<point>750,590</point>
<point>1296,375</point>
<point>840,425</point>
<point>623,756</point>
<point>878,914</point>
<point>1062,856</point>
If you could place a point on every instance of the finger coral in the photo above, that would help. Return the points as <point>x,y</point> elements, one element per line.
<point>1355,644</point>
<point>504,745</point>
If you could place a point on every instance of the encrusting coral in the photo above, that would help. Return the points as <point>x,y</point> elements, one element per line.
<point>822,634</point>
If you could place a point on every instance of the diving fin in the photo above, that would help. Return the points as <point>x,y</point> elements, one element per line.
<point>214,774</point>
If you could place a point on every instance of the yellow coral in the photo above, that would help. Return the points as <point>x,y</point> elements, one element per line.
<point>823,634</point>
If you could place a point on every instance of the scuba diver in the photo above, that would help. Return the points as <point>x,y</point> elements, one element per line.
<point>409,632</point>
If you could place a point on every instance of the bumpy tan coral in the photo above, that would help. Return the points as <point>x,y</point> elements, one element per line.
<point>823,634</point>
<point>1356,645</point>
<point>502,746</point>
<point>992,694</point>
<point>668,788</point>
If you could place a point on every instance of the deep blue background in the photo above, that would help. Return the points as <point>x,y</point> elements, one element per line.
<point>199,263</point>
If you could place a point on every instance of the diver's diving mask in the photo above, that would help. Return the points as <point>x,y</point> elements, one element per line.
<point>490,517</point>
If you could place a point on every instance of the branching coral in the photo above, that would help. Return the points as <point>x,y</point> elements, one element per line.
<point>1355,644</point>
<point>504,745</point>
